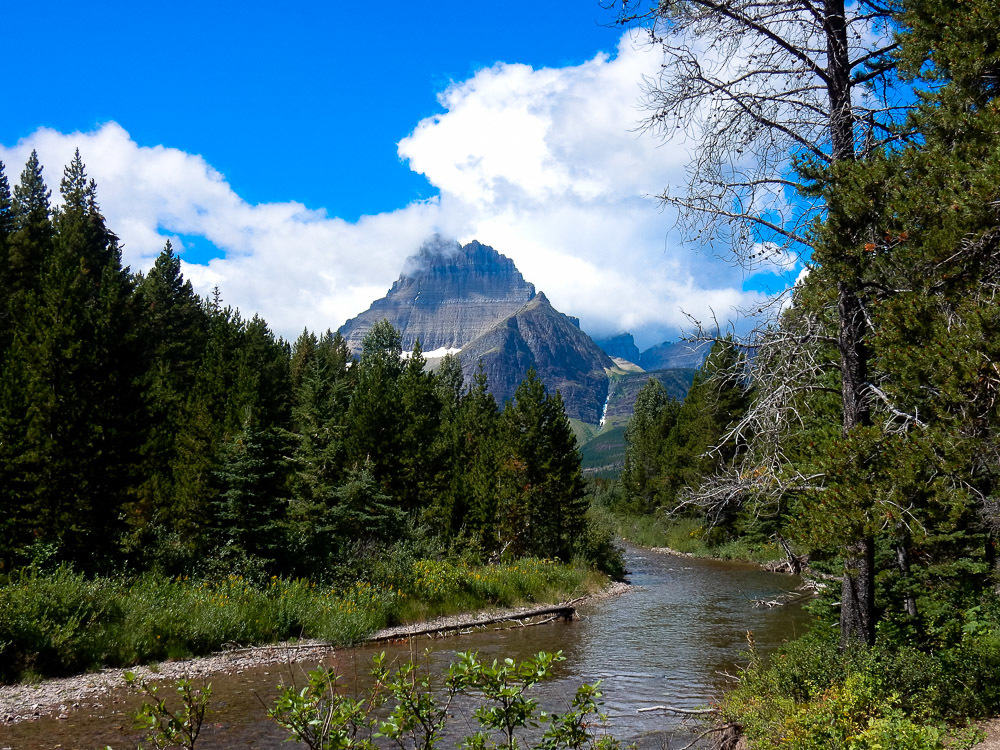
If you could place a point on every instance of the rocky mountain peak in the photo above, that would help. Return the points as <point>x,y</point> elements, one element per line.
<point>447,295</point>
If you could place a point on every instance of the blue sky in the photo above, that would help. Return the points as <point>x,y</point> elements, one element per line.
<point>296,155</point>
<point>290,101</point>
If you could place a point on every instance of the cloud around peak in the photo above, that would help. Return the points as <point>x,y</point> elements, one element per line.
<point>546,165</point>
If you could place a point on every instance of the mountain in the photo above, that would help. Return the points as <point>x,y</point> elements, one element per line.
<point>673,354</point>
<point>624,390</point>
<point>447,296</point>
<point>472,300</point>
<point>540,336</point>
<point>621,345</point>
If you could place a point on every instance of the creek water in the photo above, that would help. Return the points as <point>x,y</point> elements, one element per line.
<point>667,641</point>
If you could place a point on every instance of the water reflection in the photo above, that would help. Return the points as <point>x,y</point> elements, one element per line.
<point>664,643</point>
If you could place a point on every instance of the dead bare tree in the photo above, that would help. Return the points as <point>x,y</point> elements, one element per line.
<point>761,88</point>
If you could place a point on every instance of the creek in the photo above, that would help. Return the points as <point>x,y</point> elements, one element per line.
<point>670,640</point>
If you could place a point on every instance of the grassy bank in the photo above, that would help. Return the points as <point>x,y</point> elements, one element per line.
<point>687,535</point>
<point>810,695</point>
<point>61,622</point>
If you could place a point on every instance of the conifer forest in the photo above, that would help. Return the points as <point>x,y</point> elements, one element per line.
<point>175,477</point>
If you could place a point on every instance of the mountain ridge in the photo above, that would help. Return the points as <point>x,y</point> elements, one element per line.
<point>471,300</point>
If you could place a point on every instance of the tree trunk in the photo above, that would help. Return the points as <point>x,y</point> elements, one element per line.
<point>857,612</point>
<point>903,561</point>
<point>857,606</point>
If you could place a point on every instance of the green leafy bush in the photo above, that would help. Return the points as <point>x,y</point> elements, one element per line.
<point>63,622</point>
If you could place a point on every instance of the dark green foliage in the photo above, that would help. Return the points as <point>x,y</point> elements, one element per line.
<point>30,243</point>
<point>419,455</point>
<point>916,228</point>
<point>174,329</point>
<point>671,445</point>
<point>541,507</point>
<point>70,400</point>
<point>361,512</point>
<point>654,417</point>
<point>375,417</point>
<point>147,429</point>
<point>473,511</point>
<point>253,479</point>
<point>7,226</point>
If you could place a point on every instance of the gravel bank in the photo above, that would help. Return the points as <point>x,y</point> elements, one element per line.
<point>60,696</point>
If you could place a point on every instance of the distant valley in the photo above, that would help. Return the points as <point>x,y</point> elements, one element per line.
<point>471,301</point>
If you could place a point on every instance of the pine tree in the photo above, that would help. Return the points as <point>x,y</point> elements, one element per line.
<point>654,416</point>
<point>262,387</point>
<point>541,505</point>
<point>251,510</point>
<point>476,470</point>
<point>921,479</point>
<point>303,351</point>
<point>421,466</point>
<point>362,512</point>
<point>7,226</point>
<point>72,359</point>
<point>693,448</point>
<point>375,416</point>
<point>205,425</point>
<point>445,509</point>
<point>319,414</point>
<point>174,328</point>
<point>30,244</point>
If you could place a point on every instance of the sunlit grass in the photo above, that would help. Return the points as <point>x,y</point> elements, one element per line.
<point>62,622</point>
<point>690,536</point>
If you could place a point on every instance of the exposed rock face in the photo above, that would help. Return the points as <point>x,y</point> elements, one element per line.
<point>539,336</point>
<point>447,296</point>
<point>625,390</point>
<point>673,354</point>
<point>474,299</point>
<point>621,345</point>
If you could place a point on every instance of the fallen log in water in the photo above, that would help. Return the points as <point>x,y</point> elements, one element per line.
<point>564,611</point>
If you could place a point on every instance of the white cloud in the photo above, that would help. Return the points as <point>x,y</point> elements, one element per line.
<point>545,165</point>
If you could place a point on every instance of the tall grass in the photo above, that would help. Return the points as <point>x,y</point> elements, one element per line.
<point>688,535</point>
<point>61,622</point>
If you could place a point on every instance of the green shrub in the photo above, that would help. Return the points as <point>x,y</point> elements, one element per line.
<point>812,695</point>
<point>53,621</point>
<point>62,622</point>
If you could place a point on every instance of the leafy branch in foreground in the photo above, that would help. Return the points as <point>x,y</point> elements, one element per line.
<point>410,706</point>
<point>166,728</point>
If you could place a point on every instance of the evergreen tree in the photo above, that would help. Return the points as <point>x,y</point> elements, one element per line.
<point>7,226</point>
<point>174,328</point>
<point>477,465</point>
<point>694,446</point>
<point>445,508</point>
<point>321,399</point>
<point>375,415</point>
<point>654,416</point>
<point>72,362</point>
<point>251,509</point>
<point>421,466</point>
<point>541,504</point>
<point>922,479</point>
<point>362,512</point>
<point>262,386</point>
<point>205,425</point>
<point>303,351</point>
<point>30,244</point>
